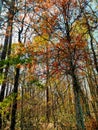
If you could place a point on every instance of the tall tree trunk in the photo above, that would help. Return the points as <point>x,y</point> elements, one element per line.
<point>3,86</point>
<point>78,108</point>
<point>6,47</point>
<point>92,48</point>
<point>47,87</point>
<point>14,107</point>
<point>22,100</point>
<point>8,35</point>
<point>47,103</point>
<point>76,86</point>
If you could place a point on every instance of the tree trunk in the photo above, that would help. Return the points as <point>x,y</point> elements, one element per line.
<point>47,87</point>
<point>78,108</point>
<point>8,41</point>
<point>76,86</point>
<point>14,107</point>
<point>47,103</point>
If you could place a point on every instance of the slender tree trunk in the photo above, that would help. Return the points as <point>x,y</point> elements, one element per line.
<point>47,103</point>
<point>22,100</point>
<point>93,51</point>
<point>21,125</point>
<point>8,36</point>
<point>47,87</point>
<point>7,45</point>
<point>3,86</point>
<point>14,107</point>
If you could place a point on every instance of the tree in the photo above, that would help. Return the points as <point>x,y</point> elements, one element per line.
<point>6,49</point>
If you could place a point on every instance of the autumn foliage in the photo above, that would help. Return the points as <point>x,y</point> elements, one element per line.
<point>49,65</point>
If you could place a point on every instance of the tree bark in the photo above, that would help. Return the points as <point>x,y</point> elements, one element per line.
<point>78,108</point>
<point>14,107</point>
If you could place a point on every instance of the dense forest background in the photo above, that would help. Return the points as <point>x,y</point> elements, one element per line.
<point>48,65</point>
